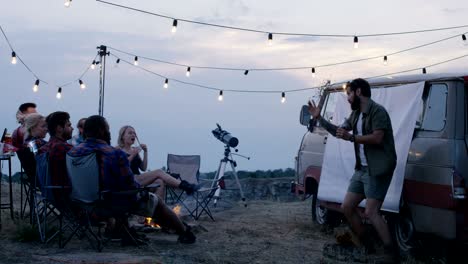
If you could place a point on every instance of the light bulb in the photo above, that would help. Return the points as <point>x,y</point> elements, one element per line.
<point>174,26</point>
<point>13,57</point>
<point>166,83</point>
<point>36,86</point>
<point>283,97</point>
<point>313,72</point>
<point>464,37</point>
<point>188,72</point>
<point>270,39</point>
<point>135,62</point>
<point>385,60</point>
<point>424,71</point>
<point>220,97</point>
<point>344,86</point>
<point>246,72</point>
<point>93,65</point>
<point>356,42</point>
<point>67,3</point>
<point>59,93</point>
<point>82,85</point>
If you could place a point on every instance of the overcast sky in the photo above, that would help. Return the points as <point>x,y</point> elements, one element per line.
<point>58,44</point>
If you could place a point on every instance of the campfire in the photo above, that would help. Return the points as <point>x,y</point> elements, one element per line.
<point>149,222</point>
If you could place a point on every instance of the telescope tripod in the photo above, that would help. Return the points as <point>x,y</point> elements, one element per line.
<point>218,181</point>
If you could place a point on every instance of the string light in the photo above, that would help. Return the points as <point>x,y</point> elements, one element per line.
<point>82,84</point>
<point>284,33</point>
<point>356,42</point>
<point>313,72</point>
<point>283,97</point>
<point>246,72</point>
<point>296,67</point>
<point>299,89</point>
<point>59,93</point>
<point>36,86</point>
<point>344,86</point>
<point>424,71</point>
<point>135,62</point>
<point>13,57</point>
<point>270,39</point>
<point>67,3</point>
<point>188,72</point>
<point>93,65</point>
<point>117,61</point>
<point>385,60</point>
<point>220,97</point>
<point>174,26</point>
<point>463,37</point>
<point>166,83</point>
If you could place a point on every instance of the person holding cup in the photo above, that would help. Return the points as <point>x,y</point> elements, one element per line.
<point>126,142</point>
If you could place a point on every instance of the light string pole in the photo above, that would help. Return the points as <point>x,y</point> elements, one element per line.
<point>102,52</point>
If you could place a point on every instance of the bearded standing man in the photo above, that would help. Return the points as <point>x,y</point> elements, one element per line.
<point>374,149</point>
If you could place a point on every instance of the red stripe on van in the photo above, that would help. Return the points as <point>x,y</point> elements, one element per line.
<point>428,194</point>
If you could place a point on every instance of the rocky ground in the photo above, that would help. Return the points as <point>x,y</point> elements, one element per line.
<point>275,229</point>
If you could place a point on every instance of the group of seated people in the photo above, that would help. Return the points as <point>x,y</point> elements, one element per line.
<point>119,167</point>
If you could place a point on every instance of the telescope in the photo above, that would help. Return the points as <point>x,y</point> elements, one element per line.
<point>225,137</point>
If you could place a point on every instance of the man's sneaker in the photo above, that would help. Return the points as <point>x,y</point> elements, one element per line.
<point>187,237</point>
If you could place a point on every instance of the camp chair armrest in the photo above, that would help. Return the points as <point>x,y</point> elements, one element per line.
<point>130,191</point>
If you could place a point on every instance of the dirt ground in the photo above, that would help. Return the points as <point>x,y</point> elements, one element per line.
<point>262,232</point>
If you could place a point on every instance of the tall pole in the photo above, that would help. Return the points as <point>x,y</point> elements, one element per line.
<point>102,76</point>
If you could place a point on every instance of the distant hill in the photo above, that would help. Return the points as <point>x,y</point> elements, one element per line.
<point>258,174</point>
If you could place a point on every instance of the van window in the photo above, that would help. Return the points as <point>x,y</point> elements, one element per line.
<point>329,106</point>
<point>432,116</point>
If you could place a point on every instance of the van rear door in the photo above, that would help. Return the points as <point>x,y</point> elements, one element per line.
<point>313,143</point>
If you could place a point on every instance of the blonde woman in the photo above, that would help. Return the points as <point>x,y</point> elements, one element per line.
<point>36,130</point>
<point>127,137</point>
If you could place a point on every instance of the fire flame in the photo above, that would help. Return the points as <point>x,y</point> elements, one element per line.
<point>176,209</point>
<point>149,222</point>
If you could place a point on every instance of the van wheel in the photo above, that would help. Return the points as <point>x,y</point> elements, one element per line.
<point>322,215</point>
<point>404,233</point>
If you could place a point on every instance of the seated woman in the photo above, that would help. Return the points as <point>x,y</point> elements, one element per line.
<point>36,130</point>
<point>127,137</point>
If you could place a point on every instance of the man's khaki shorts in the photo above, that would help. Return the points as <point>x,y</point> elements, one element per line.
<point>371,187</point>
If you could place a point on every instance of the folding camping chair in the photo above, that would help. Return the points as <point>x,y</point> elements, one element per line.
<point>92,204</point>
<point>186,167</point>
<point>48,211</point>
<point>43,213</point>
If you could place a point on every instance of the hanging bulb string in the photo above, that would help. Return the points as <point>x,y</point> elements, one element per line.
<point>284,33</point>
<point>279,91</point>
<point>18,57</point>
<point>386,74</point>
<point>80,77</point>
<point>288,68</point>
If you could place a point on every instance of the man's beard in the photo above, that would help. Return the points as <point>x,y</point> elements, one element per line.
<point>68,136</point>
<point>356,104</point>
